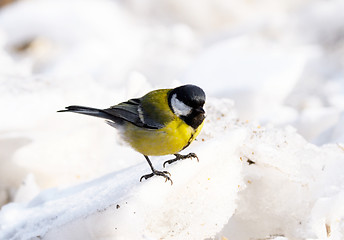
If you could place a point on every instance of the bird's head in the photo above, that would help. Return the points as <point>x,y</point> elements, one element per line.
<point>187,103</point>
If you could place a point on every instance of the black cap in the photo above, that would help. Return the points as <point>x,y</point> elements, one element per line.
<point>191,95</point>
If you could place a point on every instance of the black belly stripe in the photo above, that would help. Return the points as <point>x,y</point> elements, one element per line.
<point>189,142</point>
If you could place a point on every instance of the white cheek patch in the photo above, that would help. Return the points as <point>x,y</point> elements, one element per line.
<point>179,108</point>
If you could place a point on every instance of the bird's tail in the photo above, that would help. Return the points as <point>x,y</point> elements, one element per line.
<point>89,111</point>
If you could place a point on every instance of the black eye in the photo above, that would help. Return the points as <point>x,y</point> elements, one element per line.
<point>198,103</point>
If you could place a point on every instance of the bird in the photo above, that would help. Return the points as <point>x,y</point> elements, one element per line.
<point>162,122</point>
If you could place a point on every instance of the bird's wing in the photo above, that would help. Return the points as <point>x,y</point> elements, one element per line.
<point>156,110</point>
<point>132,111</point>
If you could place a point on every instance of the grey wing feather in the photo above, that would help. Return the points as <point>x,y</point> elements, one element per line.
<point>151,122</point>
<point>130,112</point>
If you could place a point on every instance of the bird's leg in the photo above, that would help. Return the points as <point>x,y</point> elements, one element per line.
<point>181,157</point>
<point>156,172</point>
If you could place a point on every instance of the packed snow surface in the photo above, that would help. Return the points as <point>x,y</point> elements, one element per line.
<point>271,153</point>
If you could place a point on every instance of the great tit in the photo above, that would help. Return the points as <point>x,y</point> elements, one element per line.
<point>162,122</point>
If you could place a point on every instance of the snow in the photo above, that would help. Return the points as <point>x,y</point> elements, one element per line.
<point>271,151</point>
<point>154,204</point>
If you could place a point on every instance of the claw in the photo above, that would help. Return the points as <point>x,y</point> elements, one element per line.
<point>181,157</point>
<point>155,172</point>
<point>168,161</point>
<point>158,173</point>
<point>192,155</point>
<point>146,176</point>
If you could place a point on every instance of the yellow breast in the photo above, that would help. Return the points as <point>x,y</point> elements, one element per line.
<point>168,140</point>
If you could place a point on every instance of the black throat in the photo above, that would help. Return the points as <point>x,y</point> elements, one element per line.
<point>194,119</point>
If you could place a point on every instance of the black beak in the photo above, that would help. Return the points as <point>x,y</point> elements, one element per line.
<point>200,110</point>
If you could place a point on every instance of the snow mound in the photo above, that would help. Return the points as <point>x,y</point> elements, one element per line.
<point>251,182</point>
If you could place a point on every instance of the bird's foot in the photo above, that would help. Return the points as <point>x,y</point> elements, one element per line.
<point>181,157</point>
<point>164,174</point>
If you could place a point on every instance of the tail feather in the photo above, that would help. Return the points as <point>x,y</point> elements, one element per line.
<point>89,111</point>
